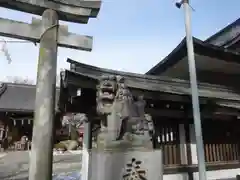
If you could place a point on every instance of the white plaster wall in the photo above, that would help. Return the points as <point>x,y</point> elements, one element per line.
<point>227,174</point>
<point>182,176</point>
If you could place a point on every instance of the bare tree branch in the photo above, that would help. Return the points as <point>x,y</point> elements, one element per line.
<point>20,80</point>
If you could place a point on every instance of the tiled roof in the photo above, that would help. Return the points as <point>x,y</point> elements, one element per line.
<point>226,35</point>
<point>200,48</point>
<point>18,97</point>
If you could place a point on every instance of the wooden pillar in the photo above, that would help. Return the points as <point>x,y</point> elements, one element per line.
<point>2,126</point>
<point>193,144</point>
<point>3,131</point>
<point>183,144</point>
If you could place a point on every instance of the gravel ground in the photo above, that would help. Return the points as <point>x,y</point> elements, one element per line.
<point>14,165</point>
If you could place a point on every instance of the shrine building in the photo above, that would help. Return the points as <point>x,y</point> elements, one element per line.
<point>166,89</point>
<point>17,103</point>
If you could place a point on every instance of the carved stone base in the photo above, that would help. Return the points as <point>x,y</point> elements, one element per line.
<point>129,141</point>
<point>67,145</point>
<point>128,165</point>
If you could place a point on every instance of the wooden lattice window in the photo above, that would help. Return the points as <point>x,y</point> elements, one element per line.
<point>168,139</point>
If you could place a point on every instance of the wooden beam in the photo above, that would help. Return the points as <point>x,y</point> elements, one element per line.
<point>148,95</point>
<point>33,32</point>
<point>161,96</point>
<point>178,114</point>
<point>217,112</point>
<point>88,78</point>
<point>92,4</point>
<point>77,11</point>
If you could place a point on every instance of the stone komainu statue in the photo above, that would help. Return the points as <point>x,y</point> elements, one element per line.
<point>121,114</point>
<point>76,120</point>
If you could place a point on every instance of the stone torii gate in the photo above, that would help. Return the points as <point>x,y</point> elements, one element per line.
<point>50,35</point>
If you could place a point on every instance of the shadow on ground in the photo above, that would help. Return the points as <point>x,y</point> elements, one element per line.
<point>68,176</point>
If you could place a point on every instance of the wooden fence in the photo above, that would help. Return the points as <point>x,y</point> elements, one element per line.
<point>221,141</point>
<point>221,152</point>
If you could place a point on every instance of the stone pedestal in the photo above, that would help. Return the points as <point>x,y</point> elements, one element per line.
<point>127,165</point>
<point>129,141</point>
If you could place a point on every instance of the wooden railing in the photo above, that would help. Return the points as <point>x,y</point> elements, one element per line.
<point>168,139</point>
<point>221,152</point>
<point>221,141</point>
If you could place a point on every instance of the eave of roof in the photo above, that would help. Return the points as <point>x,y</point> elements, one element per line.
<point>232,42</point>
<point>201,48</point>
<point>222,31</point>
<point>19,97</point>
<point>87,76</point>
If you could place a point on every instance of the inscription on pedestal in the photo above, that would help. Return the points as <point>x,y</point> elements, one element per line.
<point>128,165</point>
<point>134,171</point>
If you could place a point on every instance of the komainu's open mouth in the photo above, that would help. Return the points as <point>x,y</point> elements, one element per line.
<point>107,91</point>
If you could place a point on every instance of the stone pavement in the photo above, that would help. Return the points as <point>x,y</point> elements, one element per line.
<point>14,165</point>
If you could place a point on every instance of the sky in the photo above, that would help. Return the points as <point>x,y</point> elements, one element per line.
<point>129,35</point>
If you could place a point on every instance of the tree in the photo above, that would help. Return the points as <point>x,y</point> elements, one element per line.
<point>20,80</point>
<point>5,51</point>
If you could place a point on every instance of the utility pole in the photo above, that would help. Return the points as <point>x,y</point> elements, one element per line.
<point>50,35</point>
<point>194,89</point>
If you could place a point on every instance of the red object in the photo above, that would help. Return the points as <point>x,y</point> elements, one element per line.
<point>80,131</point>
